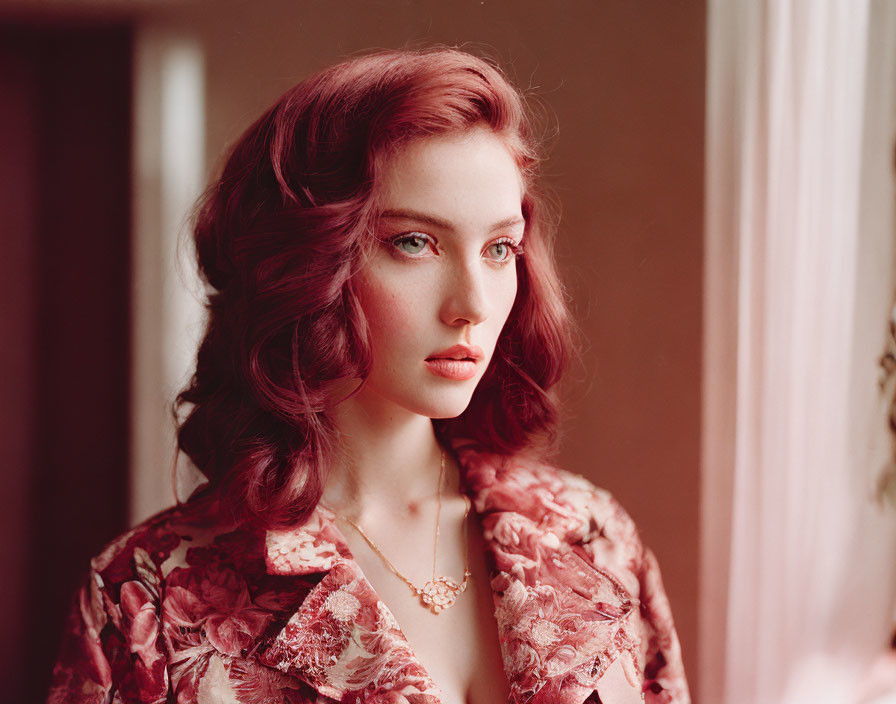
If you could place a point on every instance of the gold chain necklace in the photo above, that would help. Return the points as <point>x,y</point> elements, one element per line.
<point>438,593</point>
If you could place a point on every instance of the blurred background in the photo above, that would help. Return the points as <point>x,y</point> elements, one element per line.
<point>726,176</point>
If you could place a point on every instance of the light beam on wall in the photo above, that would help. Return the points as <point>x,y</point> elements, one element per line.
<point>168,317</point>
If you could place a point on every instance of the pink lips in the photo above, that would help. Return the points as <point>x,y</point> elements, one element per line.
<point>453,368</point>
<point>458,362</point>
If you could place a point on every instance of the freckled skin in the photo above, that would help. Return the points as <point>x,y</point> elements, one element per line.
<point>452,289</point>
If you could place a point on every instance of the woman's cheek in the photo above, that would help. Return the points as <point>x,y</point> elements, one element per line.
<point>506,294</point>
<point>389,310</point>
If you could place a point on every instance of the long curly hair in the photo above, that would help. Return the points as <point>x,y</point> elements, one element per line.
<point>280,236</point>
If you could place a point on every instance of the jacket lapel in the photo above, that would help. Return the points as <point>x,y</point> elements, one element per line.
<point>562,620</point>
<point>343,641</point>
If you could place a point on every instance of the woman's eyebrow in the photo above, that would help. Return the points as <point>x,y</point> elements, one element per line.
<point>444,224</point>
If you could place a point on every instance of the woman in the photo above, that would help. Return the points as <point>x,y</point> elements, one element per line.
<point>385,330</point>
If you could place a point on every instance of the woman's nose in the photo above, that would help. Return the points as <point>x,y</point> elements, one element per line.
<point>465,299</point>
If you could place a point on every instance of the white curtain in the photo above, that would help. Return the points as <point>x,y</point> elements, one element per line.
<point>798,560</point>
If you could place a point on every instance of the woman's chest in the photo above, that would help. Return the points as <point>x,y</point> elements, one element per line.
<point>561,620</point>
<point>459,647</point>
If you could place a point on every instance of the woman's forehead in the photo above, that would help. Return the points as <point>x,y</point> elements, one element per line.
<point>412,216</point>
<point>446,178</point>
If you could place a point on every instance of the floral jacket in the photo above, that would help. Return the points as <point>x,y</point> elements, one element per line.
<point>186,609</point>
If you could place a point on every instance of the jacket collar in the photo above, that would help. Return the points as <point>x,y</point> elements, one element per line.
<point>562,621</point>
<point>314,547</point>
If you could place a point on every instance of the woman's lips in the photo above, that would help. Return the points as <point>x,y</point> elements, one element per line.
<point>458,369</point>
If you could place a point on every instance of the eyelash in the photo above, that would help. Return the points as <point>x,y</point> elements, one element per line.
<point>516,250</point>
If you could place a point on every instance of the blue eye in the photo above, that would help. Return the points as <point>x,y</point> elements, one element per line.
<point>501,250</point>
<point>505,250</point>
<point>412,243</point>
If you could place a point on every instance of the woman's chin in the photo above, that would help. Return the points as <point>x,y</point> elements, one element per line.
<point>446,406</point>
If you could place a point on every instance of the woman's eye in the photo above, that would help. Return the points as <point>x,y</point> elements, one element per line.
<point>413,243</point>
<point>503,250</point>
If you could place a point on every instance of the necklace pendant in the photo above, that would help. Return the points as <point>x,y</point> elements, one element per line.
<point>440,594</point>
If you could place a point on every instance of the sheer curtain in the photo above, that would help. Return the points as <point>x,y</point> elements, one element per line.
<point>798,560</point>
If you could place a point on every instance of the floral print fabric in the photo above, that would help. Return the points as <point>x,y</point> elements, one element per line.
<point>185,608</point>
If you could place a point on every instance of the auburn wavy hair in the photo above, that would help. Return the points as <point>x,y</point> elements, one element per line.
<point>279,237</point>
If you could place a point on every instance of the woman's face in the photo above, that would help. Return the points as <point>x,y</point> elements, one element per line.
<point>444,273</point>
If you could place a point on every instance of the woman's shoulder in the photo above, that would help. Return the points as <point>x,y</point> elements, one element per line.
<point>585,516</point>
<point>185,583</point>
<point>551,496</point>
<point>600,504</point>
<point>183,534</point>
<point>562,542</point>
<point>114,613</point>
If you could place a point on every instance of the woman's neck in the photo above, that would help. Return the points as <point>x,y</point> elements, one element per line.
<point>387,461</point>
